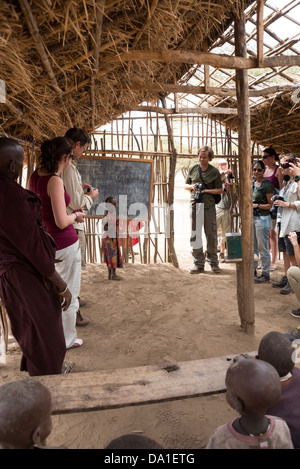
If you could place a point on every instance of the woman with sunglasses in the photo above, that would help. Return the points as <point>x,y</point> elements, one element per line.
<point>263,191</point>
<point>55,157</point>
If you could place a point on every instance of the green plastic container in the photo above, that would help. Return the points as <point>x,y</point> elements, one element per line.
<point>234,245</point>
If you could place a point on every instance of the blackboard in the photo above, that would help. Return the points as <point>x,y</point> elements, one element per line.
<point>130,181</point>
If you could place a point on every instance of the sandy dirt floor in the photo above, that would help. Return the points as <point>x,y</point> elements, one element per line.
<point>161,314</point>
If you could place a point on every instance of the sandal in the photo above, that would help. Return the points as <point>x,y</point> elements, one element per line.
<point>68,367</point>
<point>77,343</point>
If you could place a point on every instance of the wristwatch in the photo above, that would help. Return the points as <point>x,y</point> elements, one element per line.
<point>296,178</point>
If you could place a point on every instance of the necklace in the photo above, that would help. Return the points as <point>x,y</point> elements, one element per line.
<point>251,434</point>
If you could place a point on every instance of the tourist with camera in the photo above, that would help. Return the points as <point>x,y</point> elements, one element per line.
<point>274,174</point>
<point>288,218</point>
<point>204,183</point>
<point>263,191</point>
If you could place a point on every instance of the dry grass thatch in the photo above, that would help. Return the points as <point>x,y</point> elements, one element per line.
<point>61,60</point>
<point>54,76</point>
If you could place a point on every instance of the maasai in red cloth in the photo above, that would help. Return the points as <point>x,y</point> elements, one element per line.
<point>27,255</point>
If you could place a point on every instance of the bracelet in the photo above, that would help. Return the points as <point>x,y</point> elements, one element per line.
<point>290,204</point>
<point>75,216</point>
<point>61,293</point>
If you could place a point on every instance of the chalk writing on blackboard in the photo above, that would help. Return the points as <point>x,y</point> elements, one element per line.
<point>129,180</point>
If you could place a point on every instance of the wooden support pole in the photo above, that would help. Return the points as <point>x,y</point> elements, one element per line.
<point>172,172</point>
<point>245,286</point>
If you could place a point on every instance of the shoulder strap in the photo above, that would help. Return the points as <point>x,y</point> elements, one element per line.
<point>200,172</point>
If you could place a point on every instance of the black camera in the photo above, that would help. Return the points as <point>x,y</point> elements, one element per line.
<point>199,189</point>
<point>287,163</point>
<point>273,210</point>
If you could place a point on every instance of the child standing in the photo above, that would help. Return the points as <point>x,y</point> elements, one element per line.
<point>252,387</point>
<point>110,240</point>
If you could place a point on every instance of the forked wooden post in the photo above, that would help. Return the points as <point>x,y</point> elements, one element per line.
<point>245,270</point>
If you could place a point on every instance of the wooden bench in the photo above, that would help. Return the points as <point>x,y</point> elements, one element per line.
<point>109,389</point>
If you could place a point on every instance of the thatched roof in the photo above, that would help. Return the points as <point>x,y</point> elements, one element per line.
<point>67,63</point>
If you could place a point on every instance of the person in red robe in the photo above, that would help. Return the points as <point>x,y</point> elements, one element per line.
<point>31,290</point>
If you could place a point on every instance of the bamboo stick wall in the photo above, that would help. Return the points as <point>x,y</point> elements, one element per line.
<point>132,136</point>
<point>146,137</point>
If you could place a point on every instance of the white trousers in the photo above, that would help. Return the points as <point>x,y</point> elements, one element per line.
<point>70,271</point>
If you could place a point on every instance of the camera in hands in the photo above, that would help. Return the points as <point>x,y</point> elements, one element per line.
<point>274,209</point>
<point>286,164</point>
<point>199,189</point>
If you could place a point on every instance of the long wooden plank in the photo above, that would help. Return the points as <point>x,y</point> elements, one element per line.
<point>109,389</point>
<point>203,58</point>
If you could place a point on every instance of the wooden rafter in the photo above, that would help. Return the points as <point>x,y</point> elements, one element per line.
<point>203,58</point>
<point>212,91</point>
<point>99,21</point>
<point>260,31</point>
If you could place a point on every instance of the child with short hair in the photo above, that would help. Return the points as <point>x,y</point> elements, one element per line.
<point>110,240</point>
<point>252,387</point>
<point>277,349</point>
<point>25,414</point>
<point>133,441</point>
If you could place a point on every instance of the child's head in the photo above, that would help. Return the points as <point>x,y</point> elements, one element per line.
<point>276,348</point>
<point>111,200</point>
<point>25,414</point>
<point>252,386</point>
<point>133,441</point>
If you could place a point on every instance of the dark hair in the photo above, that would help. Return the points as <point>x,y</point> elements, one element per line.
<point>277,349</point>
<point>78,135</point>
<point>133,441</point>
<point>260,163</point>
<point>110,199</point>
<point>271,152</point>
<point>52,152</point>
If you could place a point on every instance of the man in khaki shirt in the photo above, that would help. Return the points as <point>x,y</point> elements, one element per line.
<point>213,186</point>
<point>80,200</point>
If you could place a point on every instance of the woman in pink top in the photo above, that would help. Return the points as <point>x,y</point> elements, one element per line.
<point>55,157</point>
<point>274,174</point>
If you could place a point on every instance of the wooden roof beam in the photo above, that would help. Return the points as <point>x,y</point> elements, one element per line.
<point>260,31</point>
<point>214,91</point>
<point>195,110</point>
<point>215,60</point>
<point>99,22</point>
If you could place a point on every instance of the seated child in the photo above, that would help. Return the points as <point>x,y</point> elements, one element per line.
<point>277,349</point>
<point>25,414</point>
<point>252,387</point>
<point>133,441</point>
